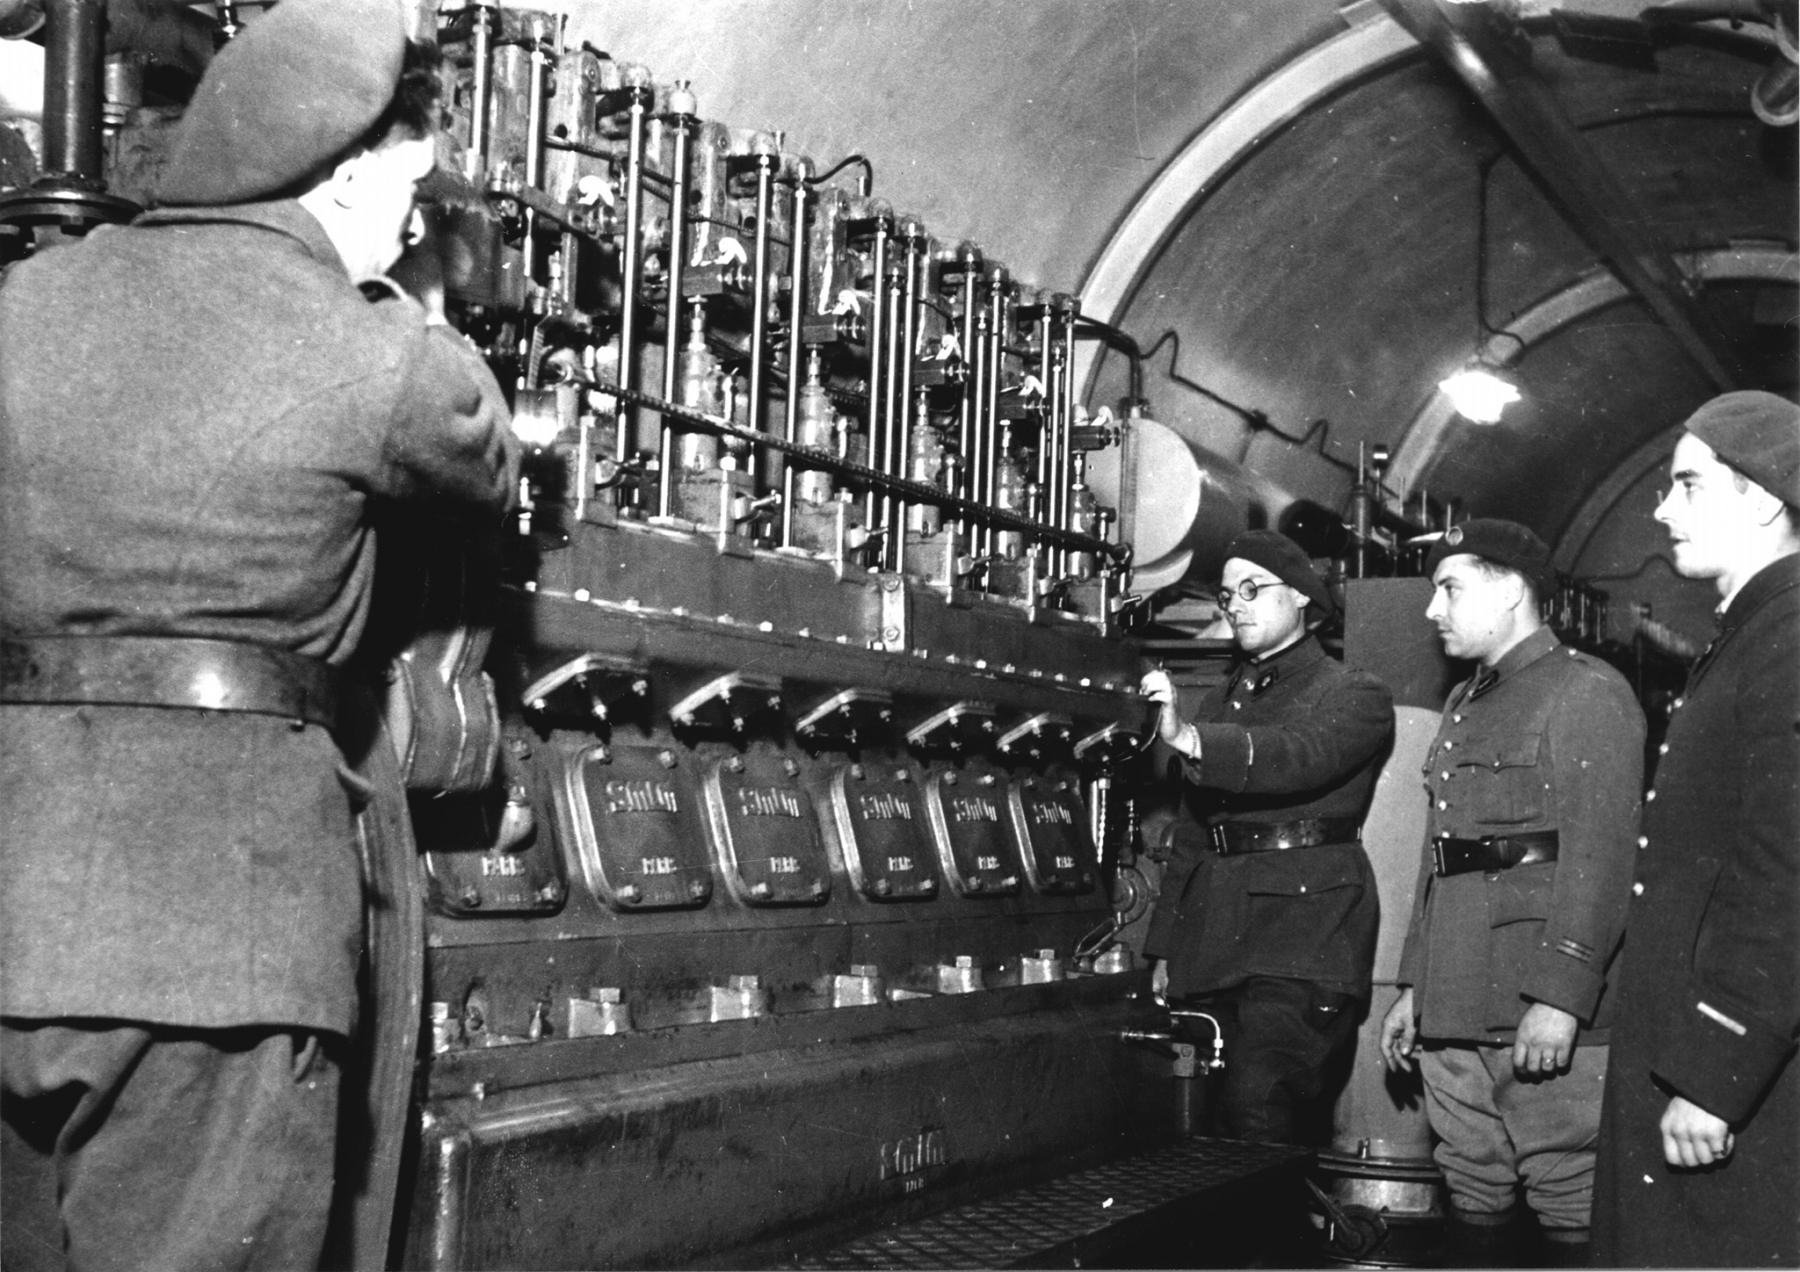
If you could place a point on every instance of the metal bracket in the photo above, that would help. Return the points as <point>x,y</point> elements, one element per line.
<point>957,729</point>
<point>1044,737</point>
<point>895,616</point>
<point>585,690</point>
<point>841,720</point>
<point>729,703</point>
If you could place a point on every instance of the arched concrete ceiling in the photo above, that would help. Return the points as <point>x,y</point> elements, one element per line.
<point>1328,280</point>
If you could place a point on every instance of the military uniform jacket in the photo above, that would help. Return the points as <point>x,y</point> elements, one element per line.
<point>1295,736</point>
<point>196,413</point>
<point>1710,984</point>
<point>1554,741</point>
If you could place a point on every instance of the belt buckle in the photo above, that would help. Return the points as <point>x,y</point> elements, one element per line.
<point>1437,856</point>
<point>1216,834</point>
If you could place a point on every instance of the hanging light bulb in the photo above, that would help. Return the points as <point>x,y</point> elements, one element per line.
<point>1478,394</point>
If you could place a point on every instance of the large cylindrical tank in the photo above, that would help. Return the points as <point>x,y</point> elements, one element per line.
<point>1179,504</point>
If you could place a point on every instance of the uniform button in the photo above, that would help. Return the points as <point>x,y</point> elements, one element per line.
<point>1237,706</point>
<point>1643,841</point>
<point>1663,749</point>
<point>1449,745</point>
<point>1649,796</point>
<point>1637,889</point>
<point>1445,775</point>
<point>1442,805</point>
<point>1676,705</point>
<point>1457,718</point>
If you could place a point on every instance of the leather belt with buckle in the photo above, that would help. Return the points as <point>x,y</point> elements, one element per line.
<point>1229,838</point>
<point>167,671</point>
<point>1452,856</point>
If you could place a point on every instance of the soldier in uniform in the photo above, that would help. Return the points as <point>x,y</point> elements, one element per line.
<point>1268,907</point>
<point>1534,781</point>
<point>199,415</point>
<point>1700,1142</point>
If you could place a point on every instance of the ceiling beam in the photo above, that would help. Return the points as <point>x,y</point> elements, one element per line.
<point>1569,171</point>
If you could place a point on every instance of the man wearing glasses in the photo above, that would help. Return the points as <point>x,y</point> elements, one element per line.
<point>1534,782</point>
<point>1268,908</point>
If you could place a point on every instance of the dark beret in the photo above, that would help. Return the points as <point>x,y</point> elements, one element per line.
<point>1756,433</point>
<point>294,91</point>
<point>1502,543</point>
<point>1286,560</point>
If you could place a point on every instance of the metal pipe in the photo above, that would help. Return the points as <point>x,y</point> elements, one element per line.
<point>1064,397</point>
<point>920,492</point>
<point>796,321</point>
<point>475,161</point>
<point>536,108</point>
<point>978,474</point>
<point>74,54</point>
<point>970,260</point>
<point>1046,449</point>
<point>904,339</point>
<point>637,85</point>
<point>763,147</point>
<point>891,407</point>
<point>876,346</point>
<point>994,351</point>
<point>915,403</point>
<point>682,109</point>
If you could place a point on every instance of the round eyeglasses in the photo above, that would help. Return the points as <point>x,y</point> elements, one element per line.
<point>1246,590</point>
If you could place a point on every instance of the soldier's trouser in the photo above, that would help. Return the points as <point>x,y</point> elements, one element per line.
<point>1287,1044</point>
<point>1496,1130</point>
<point>138,1147</point>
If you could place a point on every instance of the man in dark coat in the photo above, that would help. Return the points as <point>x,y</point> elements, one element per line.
<point>1268,908</point>
<point>1534,781</point>
<point>1700,1145</point>
<point>198,414</point>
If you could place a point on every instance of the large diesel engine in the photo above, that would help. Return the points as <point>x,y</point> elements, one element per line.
<point>770,832</point>
<point>788,900</point>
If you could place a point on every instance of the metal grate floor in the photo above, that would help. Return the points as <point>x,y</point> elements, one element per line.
<point>1018,1227</point>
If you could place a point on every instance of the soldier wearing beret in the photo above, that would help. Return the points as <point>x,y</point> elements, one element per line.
<point>1700,1143</point>
<point>1268,908</point>
<point>1534,782</point>
<point>199,415</point>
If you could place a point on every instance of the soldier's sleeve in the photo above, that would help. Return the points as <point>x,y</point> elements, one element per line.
<point>1327,739</point>
<point>1596,740</point>
<point>1740,1012</point>
<point>450,433</point>
<point>1412,951</point>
